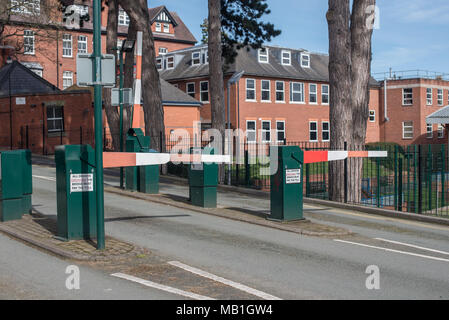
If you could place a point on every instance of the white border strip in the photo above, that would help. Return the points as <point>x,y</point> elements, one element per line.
<point>337,155</point>
<point>161,287</point>
<point>392,250</point>
<point>230,283</point>
<point>377,154</point>
<point>149,159</point>
<point>413,246</point>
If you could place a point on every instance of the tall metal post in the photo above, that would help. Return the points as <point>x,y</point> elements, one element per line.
<point>121,114</point>
<point>98,124</point>
<point>229,128</point>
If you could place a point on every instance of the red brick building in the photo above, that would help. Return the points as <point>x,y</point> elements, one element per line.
<point>283,94</point>
<point>52,54</point>
<point>406,102</point>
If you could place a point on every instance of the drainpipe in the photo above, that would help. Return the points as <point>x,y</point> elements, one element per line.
<point>385,101</point>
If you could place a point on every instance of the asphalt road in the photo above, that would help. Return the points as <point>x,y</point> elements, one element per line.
<point>413,258</point>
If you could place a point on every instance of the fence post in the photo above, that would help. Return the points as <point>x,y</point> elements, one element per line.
<point>429,178</point>
<point>81,135</point>
<point>60,137</point>
<point>420,179</point>
<point>27,138</point>
<point>247,177</point>
<point>408,178</point>
<point>307,179</point>
<point>395,177</point>
<point>346,174</point>
<point>443,173</point>
<point>43,138</point>
<point>378,182</point>
<point>400,185</point>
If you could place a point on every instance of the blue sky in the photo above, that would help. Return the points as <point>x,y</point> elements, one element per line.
<point>413,34</point>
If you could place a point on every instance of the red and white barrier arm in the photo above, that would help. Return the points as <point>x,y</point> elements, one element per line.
<point>124,159</point>
<point>324,156</point>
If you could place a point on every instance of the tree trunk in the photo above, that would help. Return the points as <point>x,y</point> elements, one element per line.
<point>216,81</point>
<point>361,34</point>
<point>340,90</point>
<point>112,114</point>
<point>151,88</point>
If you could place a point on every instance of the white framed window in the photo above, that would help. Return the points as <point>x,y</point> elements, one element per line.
<point>28,42</point>
<point>204,91</point>
<point>325,94</point>
<point>166,28</point>
<point>205,57</point>
<point>190,89</point>
<point>67,79</point>
<point>265,86</point>
<point>296,92</point>
<point>170,62</point>
<point>440,97</point>
<point>123,18</point>
<point>159,64</point>
<point>82,44</point>
<point>280,91</point>
<point>313,131</point>
<point>250,90</point>
<point>196,58</point>
<point>67,46</point>
<point>407,130</point>
<point>372,116</point>
<point>251,131</point>
<point>325,131</point>
<point>158,27</point>
<point>305,60</point>
<point>429,100</point>
<point>263,55</point>
<point>429,131</point>
<point>280,130</point>
<point>286,58</point>
<point>313,93</point>
<point>163,50</point>
<point>440,131</point>
<point>407,96</point>
<point>26,7</point>
<point>55,119</point>
<point>266,131</point>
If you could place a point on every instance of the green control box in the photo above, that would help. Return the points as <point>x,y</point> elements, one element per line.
<point>75,184</point>
<point>27,182</point>
<point>286,183</point>
<point>11,186</point>
<point>143,179</point>
<point>203,181</point>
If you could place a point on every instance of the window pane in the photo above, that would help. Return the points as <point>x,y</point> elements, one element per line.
<point>251,125</point>
<point>265,85</point>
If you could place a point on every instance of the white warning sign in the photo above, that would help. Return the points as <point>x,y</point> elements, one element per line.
<point>82,182</point>
<point>292,176</point>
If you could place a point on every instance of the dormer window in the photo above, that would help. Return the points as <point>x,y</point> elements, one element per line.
<point>166,28</point>
<point>196,58</point>
<point>263,55</point>
<point>159,64</point>
<point>163,50</point>
<point>158,27</point>
<point>170,62</point>
<point>286,58</point>
<point>305,60</point>
<point>123,18</point>
<point>205,57</point>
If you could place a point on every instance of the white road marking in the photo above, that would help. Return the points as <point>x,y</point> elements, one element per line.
<point>230,283</point>
<point>161,287</point>
<point>413,246</point>
<point>45,178</point>
<point>392,250</point>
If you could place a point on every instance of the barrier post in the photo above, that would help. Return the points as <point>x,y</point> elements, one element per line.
<point>203,181</point>
<point>287,183</point>
<point>11,186</point>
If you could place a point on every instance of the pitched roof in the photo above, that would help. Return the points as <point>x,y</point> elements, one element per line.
<point>247,60</point>
<point>440,116</point>
<point>23,81</point>
<point>174,96</point>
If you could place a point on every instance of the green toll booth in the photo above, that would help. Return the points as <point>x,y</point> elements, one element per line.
<point>203,181</point>
<point>143,179</point>
<point>75,184</point>
<point>11,186</point>
<point>286,183</point>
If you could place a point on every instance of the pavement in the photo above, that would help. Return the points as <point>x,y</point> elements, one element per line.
<point>183,252</point>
